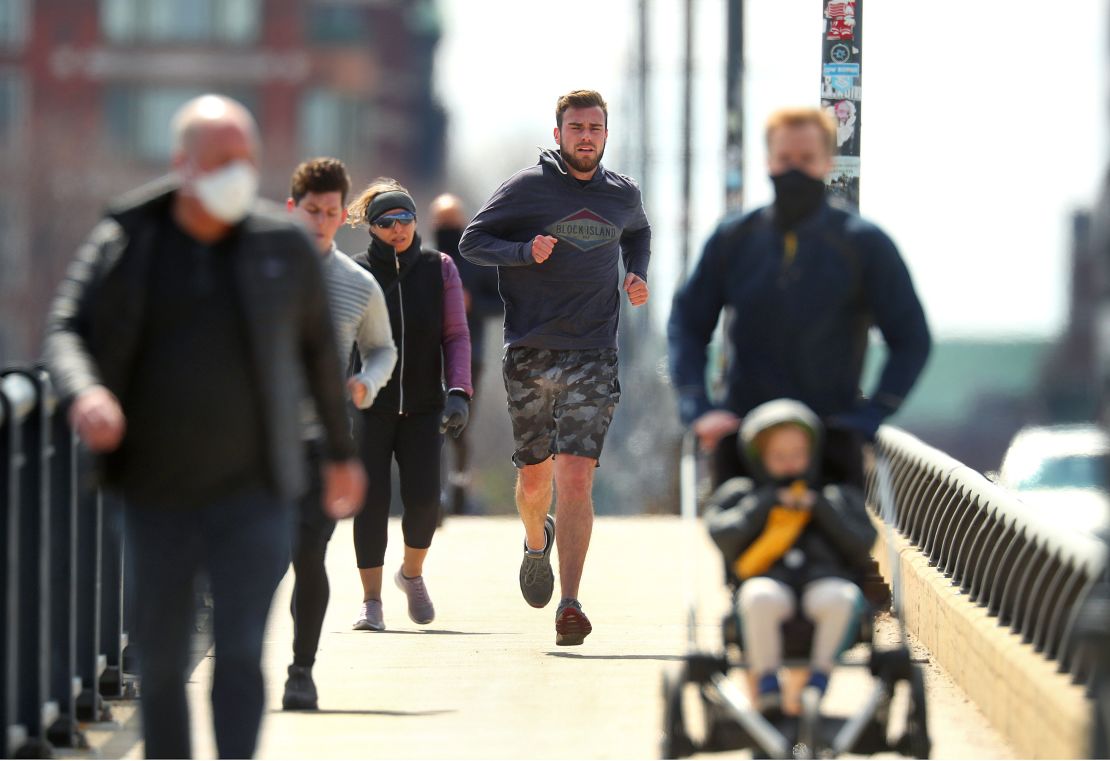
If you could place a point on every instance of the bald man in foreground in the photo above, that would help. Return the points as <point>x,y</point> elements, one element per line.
<point>180,339</point>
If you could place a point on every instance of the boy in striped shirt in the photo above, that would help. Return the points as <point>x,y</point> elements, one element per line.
<point>318,198</point>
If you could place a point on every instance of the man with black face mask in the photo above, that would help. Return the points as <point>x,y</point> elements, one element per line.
<point>805,282</point>
<point>483,302</point>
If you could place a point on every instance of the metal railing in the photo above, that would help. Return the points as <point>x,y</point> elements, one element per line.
<point>1027,571</point>
<point>62,639</point>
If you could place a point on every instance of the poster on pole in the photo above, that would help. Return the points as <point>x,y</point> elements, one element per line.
<point>842,94</point>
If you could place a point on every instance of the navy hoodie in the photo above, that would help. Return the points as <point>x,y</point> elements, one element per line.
<point>570,301</point>
<point>801,316</point>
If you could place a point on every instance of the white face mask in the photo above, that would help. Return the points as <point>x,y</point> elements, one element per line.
<point>229,192</point>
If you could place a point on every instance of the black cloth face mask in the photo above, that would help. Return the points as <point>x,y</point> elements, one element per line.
<point>797,195</point>
<point>447,239</point>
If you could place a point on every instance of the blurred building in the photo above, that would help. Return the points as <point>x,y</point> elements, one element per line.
<point>87,89</point>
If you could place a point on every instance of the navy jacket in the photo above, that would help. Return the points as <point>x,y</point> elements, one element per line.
<point>572,300</point>
<point>803,304</point>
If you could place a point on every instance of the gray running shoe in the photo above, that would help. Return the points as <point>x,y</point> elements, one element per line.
<point>537,580</point>
<point>421,610</point>
<point>571,624</point>
<point>370,617</point>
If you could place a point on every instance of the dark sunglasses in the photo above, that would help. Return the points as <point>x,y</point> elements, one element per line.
<point>386,221</point>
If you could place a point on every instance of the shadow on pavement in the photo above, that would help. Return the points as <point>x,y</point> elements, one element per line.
<point>579,656</point>
<point>427,631</point>
<point>368,712</point>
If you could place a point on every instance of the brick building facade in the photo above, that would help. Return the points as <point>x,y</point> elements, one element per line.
<point>87,88</point>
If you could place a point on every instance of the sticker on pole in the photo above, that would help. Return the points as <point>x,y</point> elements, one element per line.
<point>841,15</point>
<point>841,80</point>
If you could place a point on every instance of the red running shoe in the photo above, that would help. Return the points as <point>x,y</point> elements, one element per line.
<point>571,624</point>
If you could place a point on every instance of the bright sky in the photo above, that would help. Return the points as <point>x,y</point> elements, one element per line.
<point>983,128</point>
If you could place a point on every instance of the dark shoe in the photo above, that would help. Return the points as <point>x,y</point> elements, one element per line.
<point>571,624</point>
<point>820,680</point>
<point>769,700</point>
<point>537,580</point>
<point>300,690</point>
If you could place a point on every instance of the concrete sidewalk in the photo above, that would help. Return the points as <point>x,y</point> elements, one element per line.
<point>485,680</point>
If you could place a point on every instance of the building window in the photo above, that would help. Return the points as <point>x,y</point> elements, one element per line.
<point>232,22</point>
<point>138,118</point>
<point>13,109</point>
<point>14,270</point>
<point>14,23</point>
<point>333,124</point>
<point>338,23</point>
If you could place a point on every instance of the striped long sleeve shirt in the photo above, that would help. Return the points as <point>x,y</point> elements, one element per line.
<point>360,317</point>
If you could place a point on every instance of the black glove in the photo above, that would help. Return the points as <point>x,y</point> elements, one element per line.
<point>456,414</point>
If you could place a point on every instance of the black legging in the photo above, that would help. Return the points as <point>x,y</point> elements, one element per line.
<point>416,442</point>
<point>310,589</point>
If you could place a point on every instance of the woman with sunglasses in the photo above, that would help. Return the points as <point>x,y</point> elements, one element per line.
<point>407,419</point>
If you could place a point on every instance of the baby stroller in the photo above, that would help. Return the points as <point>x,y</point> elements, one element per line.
<point>706,710</point>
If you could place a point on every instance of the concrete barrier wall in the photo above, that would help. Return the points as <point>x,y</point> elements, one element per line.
<point>1022,693</point>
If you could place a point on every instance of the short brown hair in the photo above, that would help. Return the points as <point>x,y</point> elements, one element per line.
<point>320,175</point>
<point>800,117</point>
<point>580,99</point>
<point>356,212</point>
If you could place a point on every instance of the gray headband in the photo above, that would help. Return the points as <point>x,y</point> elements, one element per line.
<point>391,199</point>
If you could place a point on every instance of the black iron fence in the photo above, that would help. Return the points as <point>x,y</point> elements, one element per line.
<point>62,592</point>
<point>1016,561</point>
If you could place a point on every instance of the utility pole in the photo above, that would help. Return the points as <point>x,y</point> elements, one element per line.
<point>687,130</point>
<point>734,107</point>
<point>643,89</point>
<point>636,323</point>
<point>841,93</point>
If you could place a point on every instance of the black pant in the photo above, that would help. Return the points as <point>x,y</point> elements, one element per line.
<point>242,541</point>
<point>416,442</point>
<point>841,460</point>
<point>461,447</point>
<point>310,588</point>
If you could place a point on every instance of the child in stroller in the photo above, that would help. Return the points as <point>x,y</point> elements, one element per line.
<point>788,538</point>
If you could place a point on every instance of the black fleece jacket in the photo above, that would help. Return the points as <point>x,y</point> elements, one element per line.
<point>96,322</point>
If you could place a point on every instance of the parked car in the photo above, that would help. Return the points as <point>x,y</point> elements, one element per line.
<point>1064,469</point>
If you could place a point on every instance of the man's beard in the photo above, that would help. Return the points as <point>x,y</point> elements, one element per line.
<point>582,164</point>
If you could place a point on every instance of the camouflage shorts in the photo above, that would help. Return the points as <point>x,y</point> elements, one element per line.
<point>560,402</point>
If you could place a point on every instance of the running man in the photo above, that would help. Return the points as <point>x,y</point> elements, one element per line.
<point>556,232</point>
<point>318,198</point>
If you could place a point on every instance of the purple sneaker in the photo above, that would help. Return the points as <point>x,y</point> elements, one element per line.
<point>370,617</point>
<point>421,610</point>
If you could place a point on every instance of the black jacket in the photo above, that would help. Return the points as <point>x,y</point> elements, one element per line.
<point>416,317</point>
<point>837,540</point>
<point>96,319</point>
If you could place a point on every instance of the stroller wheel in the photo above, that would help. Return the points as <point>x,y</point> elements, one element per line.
<point>722,732</point>
<point>917,742</point>
<point>676,742</point>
